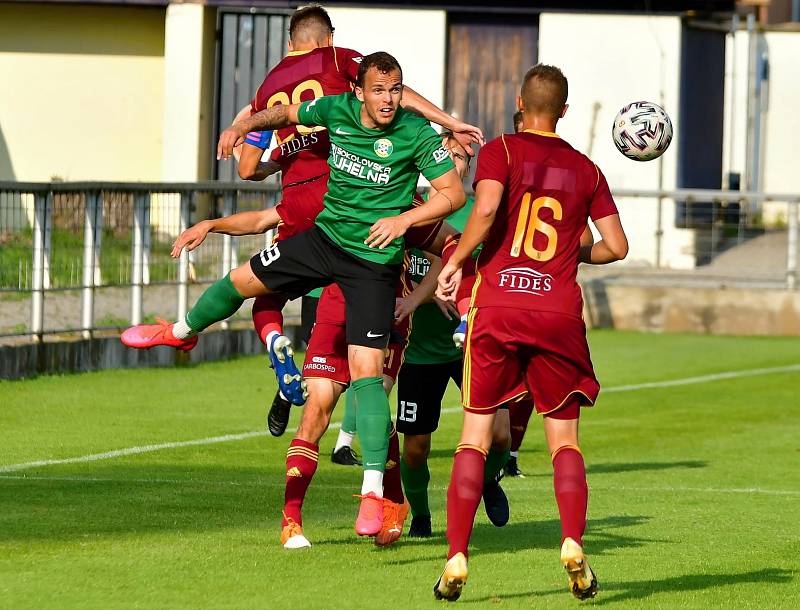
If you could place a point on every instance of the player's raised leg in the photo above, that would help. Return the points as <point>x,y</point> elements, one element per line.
<point>268,323</point>
<point>571,491</point>
<point>303,456</point>
<point>219,301</point>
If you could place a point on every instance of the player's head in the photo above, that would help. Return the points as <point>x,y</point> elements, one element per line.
<point>518,121</point>
<point>380,87</point>
<point>457,152</point>
<point>310,27</point>
<point>543,93</point>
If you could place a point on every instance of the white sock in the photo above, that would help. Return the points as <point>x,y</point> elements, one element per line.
<point>181,330</point>
<point>464,317</point>
<point>514,454</point>
<point>373,482</point>
<point>345,439</point>
<point>271,336</point>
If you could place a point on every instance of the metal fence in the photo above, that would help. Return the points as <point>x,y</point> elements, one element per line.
<point>80,258</point>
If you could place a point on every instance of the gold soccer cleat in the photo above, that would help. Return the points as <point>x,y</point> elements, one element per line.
<point>453,579</point>
<point>582,581</point>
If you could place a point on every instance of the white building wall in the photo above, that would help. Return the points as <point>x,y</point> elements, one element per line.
<point>422,56</point>
<point>780,120</point>
<point>610,61</point>
<point>780,163</point>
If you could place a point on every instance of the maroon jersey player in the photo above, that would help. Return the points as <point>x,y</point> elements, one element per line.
<point>525,333</point>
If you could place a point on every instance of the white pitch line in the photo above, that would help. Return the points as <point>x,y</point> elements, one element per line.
<point>258,433</point>
<point>704,378</point>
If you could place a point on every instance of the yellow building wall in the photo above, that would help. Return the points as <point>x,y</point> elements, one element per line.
<point>81,92</point>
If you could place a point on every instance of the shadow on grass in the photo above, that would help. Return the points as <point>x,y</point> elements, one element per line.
<point>622,467</point>
<point>642,589</point>
<point>613,468</point>
<point>603,537</point>
<point>122,499</point>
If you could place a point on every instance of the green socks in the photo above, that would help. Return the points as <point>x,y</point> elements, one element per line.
<point>415,485</point>
<point>372,421</point>
<point>349,420</point>
<point>495,461</point>
<point>220,301</point>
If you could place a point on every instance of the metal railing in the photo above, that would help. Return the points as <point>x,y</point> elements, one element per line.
<point>84,257</point>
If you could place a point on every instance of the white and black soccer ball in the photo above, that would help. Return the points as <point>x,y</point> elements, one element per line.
<point>642,131</point>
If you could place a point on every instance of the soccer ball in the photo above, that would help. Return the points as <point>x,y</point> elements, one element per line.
<point>642,131</point>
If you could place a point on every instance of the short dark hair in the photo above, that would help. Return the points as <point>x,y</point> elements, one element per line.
<point>381,61</point>
<point>517,118</point>
<point>311,21</point>
<point>544,90</point>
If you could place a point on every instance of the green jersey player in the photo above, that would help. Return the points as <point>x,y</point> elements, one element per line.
<point>378,151</point>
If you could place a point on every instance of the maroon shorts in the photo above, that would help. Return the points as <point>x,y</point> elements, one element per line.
<point>299,206</point>
<point>514,352</point>
<point>326,355</point>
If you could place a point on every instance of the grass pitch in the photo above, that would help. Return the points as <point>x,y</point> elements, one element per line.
<point>694,493</point>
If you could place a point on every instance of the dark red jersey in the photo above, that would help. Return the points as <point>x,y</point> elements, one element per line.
<point>530,257</point>
<point>300,76</point>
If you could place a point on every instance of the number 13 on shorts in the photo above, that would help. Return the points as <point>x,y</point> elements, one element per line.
<point>408,411</point>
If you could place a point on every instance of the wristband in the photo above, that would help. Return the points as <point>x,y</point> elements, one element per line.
<point>259,139</point>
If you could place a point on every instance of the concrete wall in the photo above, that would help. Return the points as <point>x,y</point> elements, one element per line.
<point>82,92</point>
<point>718,311</point>
<point>60,357</point>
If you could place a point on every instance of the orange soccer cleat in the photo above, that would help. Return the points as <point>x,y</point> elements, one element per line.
<point>370,515</point>
<point>292,536</point>
<point>394,516</point>
<point>145,336</point>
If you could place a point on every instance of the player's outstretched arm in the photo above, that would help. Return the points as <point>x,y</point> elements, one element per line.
<point>258,171</point>
<point>449,197</point>
<point>422,293</point>
<point>243,223</point>
<point>272,118</point>
<point>613,244</point>
<point>488,194</point>
<point>465,133</point>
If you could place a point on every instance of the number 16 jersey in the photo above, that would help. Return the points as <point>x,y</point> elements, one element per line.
<point>530,257</point>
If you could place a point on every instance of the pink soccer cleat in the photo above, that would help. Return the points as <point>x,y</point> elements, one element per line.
<point>370,515</point>
<point>145,336</point>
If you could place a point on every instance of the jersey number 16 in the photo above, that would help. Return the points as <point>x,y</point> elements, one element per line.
<point>528,222</point>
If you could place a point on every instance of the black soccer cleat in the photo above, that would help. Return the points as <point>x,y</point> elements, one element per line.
<point>495,502</point>
<point>345,456</point>
<point>420,527</point>
<point>278,416</point>
<point>512,469</point>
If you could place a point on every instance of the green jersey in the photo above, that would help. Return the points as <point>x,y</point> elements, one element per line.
<point>431,340</point>
<point>374,172</point>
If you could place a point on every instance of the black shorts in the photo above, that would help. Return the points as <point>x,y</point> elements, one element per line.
<point>308,260</point>
<point>420,389</point>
